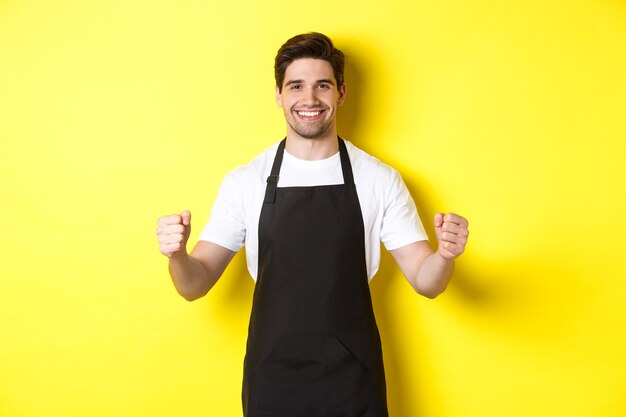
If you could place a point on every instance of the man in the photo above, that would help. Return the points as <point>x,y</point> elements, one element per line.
<point>311,212</point>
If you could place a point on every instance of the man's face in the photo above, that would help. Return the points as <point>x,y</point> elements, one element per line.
<point>310,97</point>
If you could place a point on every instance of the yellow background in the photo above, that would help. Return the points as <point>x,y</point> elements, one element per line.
<point>113,113</point>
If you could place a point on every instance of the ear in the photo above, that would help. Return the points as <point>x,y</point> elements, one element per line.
<point>279,99</point>
<point>342,94</point>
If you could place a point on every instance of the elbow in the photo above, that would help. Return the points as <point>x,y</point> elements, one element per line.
<point>432,295</point>
<point>195,290</point>
<point>430,292</point>
<point>191,295</point>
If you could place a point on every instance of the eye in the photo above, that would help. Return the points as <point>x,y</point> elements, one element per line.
<point>295,87</point>
<point>324,86</point>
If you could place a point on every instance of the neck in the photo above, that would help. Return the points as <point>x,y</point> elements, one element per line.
<point>312,149</point>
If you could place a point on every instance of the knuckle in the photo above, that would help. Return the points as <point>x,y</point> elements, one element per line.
<point>169,220</point>
<point>172,230</point>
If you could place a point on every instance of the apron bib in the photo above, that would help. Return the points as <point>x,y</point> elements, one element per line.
<point>313,345</point>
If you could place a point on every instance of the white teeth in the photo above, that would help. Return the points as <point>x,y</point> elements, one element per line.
<point>309,113</point>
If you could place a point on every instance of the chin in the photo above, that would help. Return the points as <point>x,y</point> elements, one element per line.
<point>312,135</point>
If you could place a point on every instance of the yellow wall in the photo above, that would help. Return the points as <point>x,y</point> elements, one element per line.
<point>115,112</point>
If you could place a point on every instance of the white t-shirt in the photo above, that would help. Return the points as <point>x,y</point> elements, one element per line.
<point>389,213</point>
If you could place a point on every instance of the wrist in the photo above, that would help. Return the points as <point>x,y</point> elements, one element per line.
<point>444,260</point>
<point>181,255</point>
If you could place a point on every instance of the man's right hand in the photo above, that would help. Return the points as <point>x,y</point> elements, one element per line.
<point>173,232</point>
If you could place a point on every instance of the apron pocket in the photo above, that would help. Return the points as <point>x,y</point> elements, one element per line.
<point>311,376</point>
<point>289,381</point>
<point>350,352</point>
<point>349,384</point>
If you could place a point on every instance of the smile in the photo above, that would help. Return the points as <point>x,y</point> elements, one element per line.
<point>309,114</point>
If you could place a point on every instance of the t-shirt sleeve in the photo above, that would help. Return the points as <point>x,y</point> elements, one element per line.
<point>401,224</point>
<point>226,226</point>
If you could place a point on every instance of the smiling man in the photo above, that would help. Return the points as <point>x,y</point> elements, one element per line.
<point>310,103</point>
<point>312,211</point>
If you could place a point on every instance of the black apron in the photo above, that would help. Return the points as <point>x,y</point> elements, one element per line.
<point>313,345</point>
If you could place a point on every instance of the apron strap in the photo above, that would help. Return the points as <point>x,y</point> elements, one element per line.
<point>346,167</point>
<point>272,180</point>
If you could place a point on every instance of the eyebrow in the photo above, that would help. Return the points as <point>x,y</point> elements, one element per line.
<point>324,80</point>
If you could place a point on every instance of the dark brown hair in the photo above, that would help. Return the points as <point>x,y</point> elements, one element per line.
<point>308,45</point>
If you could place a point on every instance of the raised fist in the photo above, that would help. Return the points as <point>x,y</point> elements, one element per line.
<point>452,233</point>
<point>173,232</point>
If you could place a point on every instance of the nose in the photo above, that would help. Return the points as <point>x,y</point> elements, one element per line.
<point>310,97</point>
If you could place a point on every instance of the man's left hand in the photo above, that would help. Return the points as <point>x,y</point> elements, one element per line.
<point>452,233</point>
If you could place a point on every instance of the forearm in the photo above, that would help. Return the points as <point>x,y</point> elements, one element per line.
<point>190,278</point>
<point>429,272</point>
<point>433,275</point>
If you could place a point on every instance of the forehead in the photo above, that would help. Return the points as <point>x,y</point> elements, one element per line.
<point>309,69</point>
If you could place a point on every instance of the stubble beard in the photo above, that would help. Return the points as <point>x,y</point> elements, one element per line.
<point>313,132</point>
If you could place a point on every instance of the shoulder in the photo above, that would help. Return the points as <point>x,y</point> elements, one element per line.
<point>369,169</point>
<point>255,171</point>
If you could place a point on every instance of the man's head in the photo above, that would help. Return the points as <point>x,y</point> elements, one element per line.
<point>308,45</point>
<point>309,85</point>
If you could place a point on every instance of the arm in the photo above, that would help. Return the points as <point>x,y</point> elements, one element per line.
<point>193,274</point>
<point>427,271</point>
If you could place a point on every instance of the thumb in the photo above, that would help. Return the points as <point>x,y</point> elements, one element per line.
<point>186,216</point>
<point>438,220</point>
